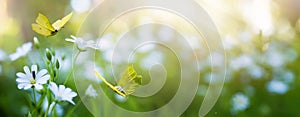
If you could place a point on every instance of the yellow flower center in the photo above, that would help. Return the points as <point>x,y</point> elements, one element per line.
<point>32,81</point>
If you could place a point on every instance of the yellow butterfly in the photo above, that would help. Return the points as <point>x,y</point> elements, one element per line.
<point>127,84</point>
<point>44,27</point>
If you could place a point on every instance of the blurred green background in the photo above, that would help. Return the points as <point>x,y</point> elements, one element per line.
<point>260,37</point>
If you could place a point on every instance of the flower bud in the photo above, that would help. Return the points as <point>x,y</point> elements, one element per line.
<point>63,57</point>
<point>36,42</point>
<point>57,64</point>
<point>48,54</point>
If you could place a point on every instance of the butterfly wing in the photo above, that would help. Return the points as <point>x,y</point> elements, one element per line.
<point>41,30</point>
<point>130,80</point>
<point>60,23</point>
<point>109,85</point>
<point>43,21</point>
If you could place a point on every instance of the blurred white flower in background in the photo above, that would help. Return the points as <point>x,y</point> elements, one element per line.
<point>106,42</point>
<point>239,102</point>
<point>229,42</point>
<point>90,91</point>
<point>194,42</point>
<point>277,55</point>
<point>146,48</point>
<point>275,59</point>
<point>255,71</point>
<point>146,32</point>
<point>2,55</point>
<point>278,87</point>
<point>288,76</point>
<point>217,59</point>
<point>165,33</point>
<point>32,78</point>
<point>291,55</point>
<point>213,78</point>
<point>88,71</point>
<point>245,36</point>
<point>21,51</point>
<point>240,62</point>
<point>82,44</point>
<point>152,59</point>
<point>81,6</point>
<point>108,55</point>
<point>62,93</point>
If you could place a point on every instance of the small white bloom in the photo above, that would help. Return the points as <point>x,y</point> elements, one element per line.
<point>90,91</point>
<point>152,59</point>
<point>62,93</point>
<point>81,44</point>
<point>275,58</point>
<point>21,51</point>
<point>278,87</point>
<point>81,6</point>
<point>255,71</point>
<point>2,55</point>
<point>107,42</point>
<point>240,102</point>
<point>240,62</point>
<point>32,78</point>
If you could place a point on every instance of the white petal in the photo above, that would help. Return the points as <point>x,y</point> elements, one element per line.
<point>26,69</point>
<point>73,37</point>
<point>71,101</point>
<point>34,68</point>
<point>70,40</point>
<point>21,75</point>
<point>14,56</point>
<point>41,73</point>
<point>61,88</point>
<point>27,86</point>
<point>53,87</point>
<point>38,86</point>
<point>72,94</point>
<point>23,80</point>
<point>67,90</point>
<point>21,85</point>
<point>43,80</point>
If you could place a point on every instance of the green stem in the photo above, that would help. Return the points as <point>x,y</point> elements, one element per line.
<point>34,96</point>
<point>71,72</point>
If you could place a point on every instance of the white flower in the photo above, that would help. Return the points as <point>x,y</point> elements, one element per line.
<point>21,51</point>
<point>242,61</point>
<point>240,102</point>
<point>255,71</point>
<point>62,93</point>
<point>2,55</point>
<point>152,59</point>
<point>278,87</point>
<point>81,6</point>
<point>90,91</point>
<point>32,78</point>
<point>81,44</point>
